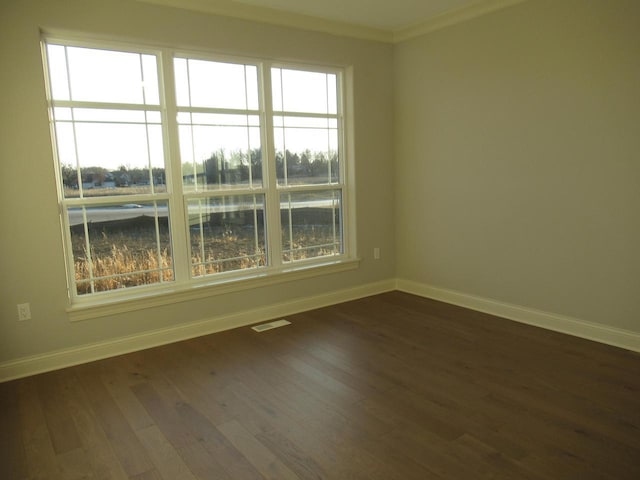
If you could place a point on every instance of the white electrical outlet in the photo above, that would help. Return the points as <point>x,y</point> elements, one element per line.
<point>24,311</point>
<point>376,253</point>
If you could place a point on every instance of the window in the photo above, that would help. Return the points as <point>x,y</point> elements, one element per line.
<point>306,133</point>
<point>178,169</point>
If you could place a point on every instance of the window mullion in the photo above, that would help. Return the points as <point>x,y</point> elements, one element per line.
<point>104,105</point>
<point>177,206</point>
<point>273,223</point>
<point>346,168</point>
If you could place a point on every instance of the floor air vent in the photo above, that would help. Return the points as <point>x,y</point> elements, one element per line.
<point>268,326</point>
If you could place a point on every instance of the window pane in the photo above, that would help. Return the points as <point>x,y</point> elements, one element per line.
<point>103,115</point>
<point>220,119</point>
<point>114,158</point>
<point>220,156</point>
<point>306,150</point>
<point>182,81</point>
<point>299,91</point>
<point>306,122</point>
<point>226,233</point>
<point>154,117</point>
<point>127,245</point>
<point>104,76</point>
<point>58,78</point>
<point>311,224</point>
<point>60,113</point>
<point>150,80</point>
<point>66,151</point>
<point>201,83</point>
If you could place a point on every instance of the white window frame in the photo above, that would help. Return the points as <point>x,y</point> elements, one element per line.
<point>185,286</point>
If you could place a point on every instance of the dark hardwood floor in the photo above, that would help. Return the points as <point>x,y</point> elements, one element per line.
<point>388,387</point>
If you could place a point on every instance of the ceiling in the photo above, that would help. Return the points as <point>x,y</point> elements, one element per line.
<point>381,20</point>
<point>382,14</point>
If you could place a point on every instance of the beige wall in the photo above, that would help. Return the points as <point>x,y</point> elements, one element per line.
<point>31,264</point>
<point>517,142</point>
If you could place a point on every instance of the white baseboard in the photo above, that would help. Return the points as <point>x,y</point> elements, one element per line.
<point>33,365</point>
<point>551,321</point>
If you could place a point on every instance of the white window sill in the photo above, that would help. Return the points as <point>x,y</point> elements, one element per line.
<point>176,294</point>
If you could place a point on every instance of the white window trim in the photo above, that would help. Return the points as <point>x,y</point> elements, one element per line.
<point>186,287</point>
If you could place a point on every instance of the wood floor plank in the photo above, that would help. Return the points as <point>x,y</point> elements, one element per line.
<point>41,458</point>
<point>164,416</point>
<point>150,475</point>
<point>394,456</point>
<point>164,456</point>
<point>488,461</point>
<point>391,386</point>
<point>196,389</point>
<point>315,396</point>
<point>304,347</point>
<point>13,458</point>
<point>63,432</point>
<point>216,445</point>
<point>291,453</point>
<point>403,409</point>
<point>96,450</point>
<point>203,465</point>
<point>320,438</point>
<point>118,384</point>
<point>269,466</point>
<point>125,444</point>
<point>326,380</point>
<point>431,451</point>
<point>75,465</point>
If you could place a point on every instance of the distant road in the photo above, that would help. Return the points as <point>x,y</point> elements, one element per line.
<point>110,214</point>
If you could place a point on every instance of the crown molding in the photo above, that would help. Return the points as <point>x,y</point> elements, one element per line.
<point>451,17</point>
<point>229,8</point>
<point>272,16</point>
